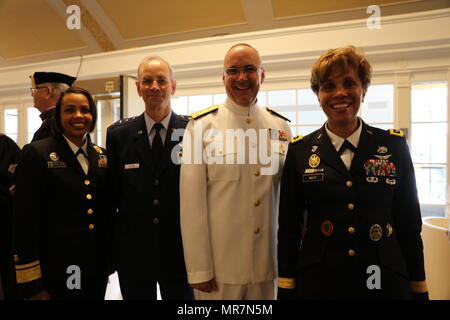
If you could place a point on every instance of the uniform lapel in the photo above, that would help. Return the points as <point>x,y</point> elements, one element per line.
<point>327,153</point>
<point>365,146</point>
<point>168,144</point>
<point>141,143</point>
<point>67,155</point>
<point>92,157</point>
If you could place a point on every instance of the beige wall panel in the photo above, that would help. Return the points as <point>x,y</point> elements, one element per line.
<point>141,18</point>
<point>27,33</point>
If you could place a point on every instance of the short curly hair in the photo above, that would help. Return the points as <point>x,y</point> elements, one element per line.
<point>340,59</point>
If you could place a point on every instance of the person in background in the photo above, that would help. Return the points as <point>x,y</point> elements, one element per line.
<point>350,222</point>
<point>46,87</point>
<point>145,176</point>
<point>62,212</point>
<point>229,202</point>
<point>9,155</point>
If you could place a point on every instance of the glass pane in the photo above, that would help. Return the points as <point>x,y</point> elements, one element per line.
<point>11,124</point>
<point>429,102</point>
<point>98,128</point>
<point>219,98</point>
<point>282,98</point>
<point>262,98</point>
<point>179,105</point>
<point>116,108</point>
<point>378,104</point>
<point>305,130</point>
<point>431,182</point>
<point>428,142</point>
<point>381,126</point>
<point>310,110</point>
<point>33,121</point>
<point>199,102</point>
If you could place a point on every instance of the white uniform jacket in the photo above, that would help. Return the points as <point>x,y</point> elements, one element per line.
<point>229,193</point>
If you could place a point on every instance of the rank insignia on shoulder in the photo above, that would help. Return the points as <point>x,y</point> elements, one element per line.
<point>204,112</point>
<point>98,149</point>
<point>277,114</point>
<point>396,132</point>
<point>296,139</point>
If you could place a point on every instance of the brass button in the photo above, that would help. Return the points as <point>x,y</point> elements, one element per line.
<point>351,206</point>
<point>349,184</point>
<point>256,231</point>
<point>351,252</point>
<point>156,182</point>
<point>257,173</point>
<point>155,202</point>
<point>91,227</point>
<point>89,196</point>
<point>351,230</point>
<point>87,182</point>
<point>90,211</point>
<point>155,220</point>
<point>257,203</point>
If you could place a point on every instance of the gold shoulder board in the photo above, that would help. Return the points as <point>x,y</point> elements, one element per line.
<point>277,114</point>
<point>396,132</point>
<point>296,139</point>
<point>203,112</point>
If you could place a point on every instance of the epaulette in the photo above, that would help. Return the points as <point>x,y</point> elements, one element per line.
<point>185,117</point>
<point>98,149</point>
<point>203,112</point>
<point>277,114</point>
<point>296,139</point>
<point>396,132</point>
<point>123,121</point>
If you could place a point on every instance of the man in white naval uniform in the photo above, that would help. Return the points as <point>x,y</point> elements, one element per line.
<point>233,156</point>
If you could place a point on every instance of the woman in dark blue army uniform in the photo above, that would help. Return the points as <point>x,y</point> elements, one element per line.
<point>349,221</point>
<point>61,218</point>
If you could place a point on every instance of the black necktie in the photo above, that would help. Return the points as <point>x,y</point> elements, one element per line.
<point>346,145</point>
<point>157,143</point>
<point>80,151</point>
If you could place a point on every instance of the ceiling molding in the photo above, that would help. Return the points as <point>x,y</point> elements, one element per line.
<point>92,25</point>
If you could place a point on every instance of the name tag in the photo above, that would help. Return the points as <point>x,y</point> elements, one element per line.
<point>132,166</point>
<point>56,164</point>
<point>315,177</point>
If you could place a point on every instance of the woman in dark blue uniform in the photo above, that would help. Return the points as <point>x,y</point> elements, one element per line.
<point>349,223</point>
<point>61,220</point>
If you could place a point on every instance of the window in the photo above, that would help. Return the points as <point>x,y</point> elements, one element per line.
<point>378,107</point>
<point>33,122</point>
<point>11,123</point>
<point>429,140</point>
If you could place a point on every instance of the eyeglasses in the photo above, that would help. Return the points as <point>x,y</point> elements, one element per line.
<point>34,90</point>
<point>236,71</point>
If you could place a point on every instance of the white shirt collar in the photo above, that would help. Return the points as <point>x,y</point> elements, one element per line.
<point>338,141</point>
<point>74,147</point>
<point>242,110</point>
<point>149,122</point>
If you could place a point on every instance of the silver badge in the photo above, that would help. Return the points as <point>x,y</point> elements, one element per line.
<point>382,149</point>
<point>54,156</point>
<point>314,148</point>
<point>391,181</point>
<point>372,179</point>
<point>385,157</point>
<point>375,232</point>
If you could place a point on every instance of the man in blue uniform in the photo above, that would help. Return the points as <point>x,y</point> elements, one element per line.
<point>144,167</point>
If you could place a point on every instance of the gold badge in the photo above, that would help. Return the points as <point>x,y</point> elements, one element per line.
<point>54,156</point>
<point>389,229</point>
<point>314,161</point>
<point>375,232</point>
<point>382,149</point>
<point>98,149</point>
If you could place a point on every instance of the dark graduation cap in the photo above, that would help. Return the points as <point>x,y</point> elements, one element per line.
<point>44,77</point>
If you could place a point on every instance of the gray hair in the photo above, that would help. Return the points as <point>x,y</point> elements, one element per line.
<point>57,87</point>
<point>150,58</point>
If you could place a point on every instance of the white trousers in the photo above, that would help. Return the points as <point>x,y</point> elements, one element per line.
<point>256,291</point>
